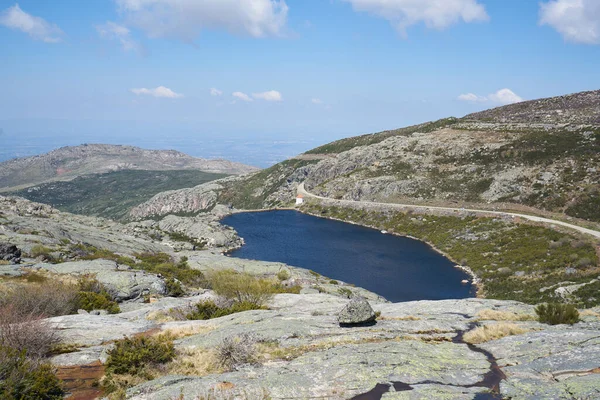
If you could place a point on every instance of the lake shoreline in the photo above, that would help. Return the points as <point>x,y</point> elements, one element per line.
<point>470,289</point>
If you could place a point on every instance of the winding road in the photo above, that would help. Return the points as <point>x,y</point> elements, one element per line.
<point>304,192</point>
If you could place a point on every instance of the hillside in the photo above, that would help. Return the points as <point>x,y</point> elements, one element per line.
<point>112,194</point>
<point>69,162</point>
<point>542,154</point>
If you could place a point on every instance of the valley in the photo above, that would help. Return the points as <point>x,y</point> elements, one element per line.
<point>142,250</point>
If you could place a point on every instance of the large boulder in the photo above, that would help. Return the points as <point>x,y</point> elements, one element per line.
<point>10,252</point>
<point>357,312</point>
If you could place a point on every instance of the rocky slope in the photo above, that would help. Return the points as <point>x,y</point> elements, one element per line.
<point>542,154</point>
<point>69,162</point>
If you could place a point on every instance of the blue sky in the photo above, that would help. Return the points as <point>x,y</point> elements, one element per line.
<point>303,71</point>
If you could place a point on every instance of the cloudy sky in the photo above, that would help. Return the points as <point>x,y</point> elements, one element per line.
<point>321,69</point>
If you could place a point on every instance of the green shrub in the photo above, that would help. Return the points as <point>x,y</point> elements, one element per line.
<point>131,355</point>
<point>39,250</point>
<point>283,275</point>
<point>174,288</point>
<point>162,263</point>
<point>554,313</point>
<point>209,310</point>
<point>23,378</point>
<point>97,301</point>
<point>245,288</point>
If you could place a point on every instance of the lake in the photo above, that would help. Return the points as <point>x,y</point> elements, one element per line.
<point>397,268</point>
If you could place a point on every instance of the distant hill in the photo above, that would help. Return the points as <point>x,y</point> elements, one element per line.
<point>542,154</point>
<point>69,162</point>
<point>112,194</point>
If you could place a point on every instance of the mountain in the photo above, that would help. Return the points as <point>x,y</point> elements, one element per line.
<point>536,155</point>
<point>69,162</point>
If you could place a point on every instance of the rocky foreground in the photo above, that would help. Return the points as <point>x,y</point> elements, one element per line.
<point>413,351</point>
<point>458,349</point>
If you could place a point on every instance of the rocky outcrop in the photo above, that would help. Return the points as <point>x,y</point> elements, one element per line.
<point>10,252</point>
<point>122,282</point>
<point>69,162</point>
<point>357,312</point>
<point>183,201</point>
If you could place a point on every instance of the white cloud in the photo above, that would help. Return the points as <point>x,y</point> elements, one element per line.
<point>113,31</point>
<point>215,92</point>
<point>271,95</point>
<point>185,19</point>
<point>502,96</point>
<point>36,27</point>
<point>316,101</point>
<point>437,14</point>
<point>160,91</point>
<point>577,20</point>
<point>505,96</point>
<point>241,96</point>
<point>472,98</point>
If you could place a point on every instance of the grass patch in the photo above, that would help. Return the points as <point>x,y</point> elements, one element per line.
<point>494,315</point>
<point>492,332</point>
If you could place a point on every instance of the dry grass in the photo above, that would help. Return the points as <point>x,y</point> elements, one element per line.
<point>170,315</point>
<point>407,318</point>
<point>179,332</point>
<point>194,362</point>
<point>493,315</point>
<point>492,332</point>
<point>589,313</point>
<point>29,333</point>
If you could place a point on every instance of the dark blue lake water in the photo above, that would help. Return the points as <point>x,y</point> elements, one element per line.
<point>397,268</point>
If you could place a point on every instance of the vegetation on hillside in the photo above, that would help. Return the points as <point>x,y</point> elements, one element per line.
<point>252,192</point>
<point>113,194</point>
<point>514,261</point>
<point>339,146</point>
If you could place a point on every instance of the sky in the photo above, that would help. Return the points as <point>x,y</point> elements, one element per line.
<point>261,80</point>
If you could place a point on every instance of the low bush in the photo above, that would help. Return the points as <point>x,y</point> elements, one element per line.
<point>209,310</point>
<point>93,295</point>
<point>235,351</point>
<point>174,288</point>
<point>162,263</point>
<point>25,378</point>
<point>555,313</point>
<point>132,355</point>
<point>26,333</point>
<point>245,288</point>
<point>40,251</point>
<point>283,275</point>
<point>53,298</point>
<point>97,301</point>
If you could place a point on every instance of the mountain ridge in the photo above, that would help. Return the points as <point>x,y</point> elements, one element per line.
<point>69,162</point>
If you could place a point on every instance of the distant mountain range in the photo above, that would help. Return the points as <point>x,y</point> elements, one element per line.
<point>69,162</point>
